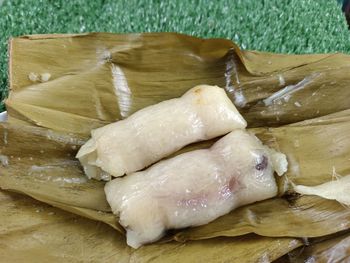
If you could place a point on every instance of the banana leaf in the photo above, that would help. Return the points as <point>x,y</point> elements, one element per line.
<point>49,172</point>
<point>99,78</point>
<point>307,216</point>
<point>95,79</point>
<point>335,248</point>
<point>32,231</point>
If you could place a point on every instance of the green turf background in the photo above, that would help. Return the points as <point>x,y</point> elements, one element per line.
<point>288,26</point>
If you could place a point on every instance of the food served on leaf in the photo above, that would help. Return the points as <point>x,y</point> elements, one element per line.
<point>93,98</point>
<point>194,188</point>
<point>154,132</point>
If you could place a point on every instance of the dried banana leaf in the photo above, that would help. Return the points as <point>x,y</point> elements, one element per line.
<point>315,150</point>
<point>341,116</point>
<point>248,248</point>
<point>99,78</point>
<point>306,217</point>
<point>33,231</point>
<point>336,249</point>
<point>41,164</point>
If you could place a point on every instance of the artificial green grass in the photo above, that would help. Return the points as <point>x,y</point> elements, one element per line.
<point>287,26</point>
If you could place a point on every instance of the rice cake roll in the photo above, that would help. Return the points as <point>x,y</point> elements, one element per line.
<point>129,145</point>
<point>194,188</point>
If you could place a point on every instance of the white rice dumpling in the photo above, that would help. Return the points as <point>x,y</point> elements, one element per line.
<point>194,188</point>
<point>129,145</point>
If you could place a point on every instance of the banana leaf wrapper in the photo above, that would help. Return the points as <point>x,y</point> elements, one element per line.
<point>49,172</point>
<point>335,248</point>
<point>99,78</point>
<point>32,231</point>
<point>42,174</point>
